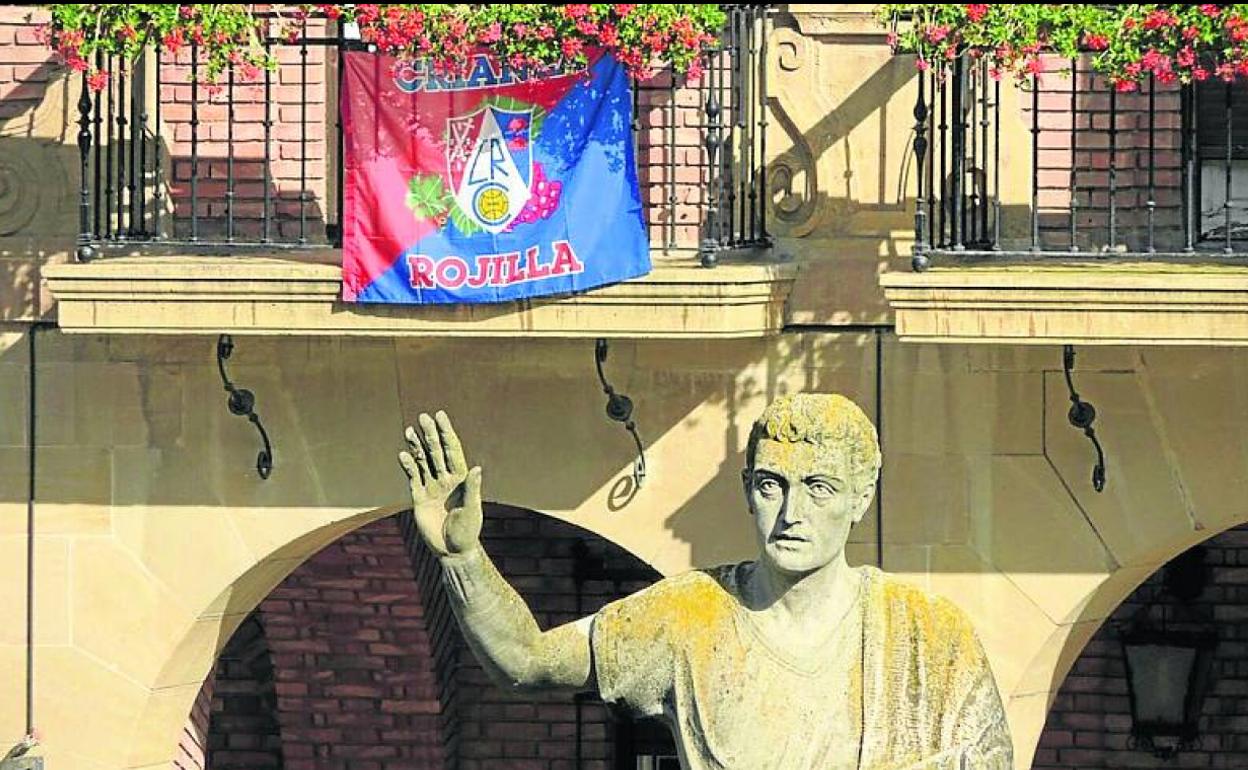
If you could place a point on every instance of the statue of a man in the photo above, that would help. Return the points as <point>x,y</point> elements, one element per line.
<point>793,661</point>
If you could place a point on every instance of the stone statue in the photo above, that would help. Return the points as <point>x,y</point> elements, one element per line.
<point>793,661</point>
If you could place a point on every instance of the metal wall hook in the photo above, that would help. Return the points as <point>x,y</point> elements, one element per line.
<point>1082,415</point>
<point>242,402</point>
<point>620,409</point>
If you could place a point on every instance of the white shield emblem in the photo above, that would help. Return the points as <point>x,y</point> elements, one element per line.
<point>490,160</point>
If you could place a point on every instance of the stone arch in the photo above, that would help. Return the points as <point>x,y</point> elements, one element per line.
<point>1086,714</point>
<point>306,595</point>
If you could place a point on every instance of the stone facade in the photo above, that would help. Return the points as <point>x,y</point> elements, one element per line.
<point>155,542</point>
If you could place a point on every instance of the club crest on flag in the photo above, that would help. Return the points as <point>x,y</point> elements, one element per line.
<point>491,185</point>
<point>490,164</point>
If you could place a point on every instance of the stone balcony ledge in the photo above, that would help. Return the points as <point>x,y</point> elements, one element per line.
<point>285,295</point>
<point>1197,301</point>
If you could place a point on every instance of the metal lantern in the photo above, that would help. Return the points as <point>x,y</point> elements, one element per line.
<point>1169,665</point>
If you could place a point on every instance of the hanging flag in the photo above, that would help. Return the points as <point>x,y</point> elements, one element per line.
<point>501,184</point>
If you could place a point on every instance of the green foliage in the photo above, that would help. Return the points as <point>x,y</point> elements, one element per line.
<point>1127,43</point>
<point>640,36</point>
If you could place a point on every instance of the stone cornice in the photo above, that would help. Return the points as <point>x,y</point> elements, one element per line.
<point>275,296</point>
<point>1144,303</point>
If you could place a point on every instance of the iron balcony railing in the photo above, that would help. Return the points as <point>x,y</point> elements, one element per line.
<point>1087,171</point>
<point>168,159</point>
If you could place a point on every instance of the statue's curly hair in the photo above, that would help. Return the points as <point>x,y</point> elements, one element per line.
<point>830,422</point>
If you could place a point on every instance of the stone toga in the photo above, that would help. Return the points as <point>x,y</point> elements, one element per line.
<point>902,683</point>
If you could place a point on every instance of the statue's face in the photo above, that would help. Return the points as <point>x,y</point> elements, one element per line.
<point>803,503</point>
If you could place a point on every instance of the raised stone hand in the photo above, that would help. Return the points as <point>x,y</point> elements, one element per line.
<point>446,494</point>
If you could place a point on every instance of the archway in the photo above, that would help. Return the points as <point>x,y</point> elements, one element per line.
<point>366,667</point>
<point>1089,722</point>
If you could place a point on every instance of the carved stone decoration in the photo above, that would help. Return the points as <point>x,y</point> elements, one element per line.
<point>21,189</point>
<point>37,167</point>
<point>794,178</point>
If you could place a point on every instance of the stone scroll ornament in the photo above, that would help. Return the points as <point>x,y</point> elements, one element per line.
<point>496,185</point>
<point>793,660</point>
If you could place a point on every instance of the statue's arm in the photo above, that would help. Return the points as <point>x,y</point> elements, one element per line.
<point>500,629</point>
<point>503,634</point>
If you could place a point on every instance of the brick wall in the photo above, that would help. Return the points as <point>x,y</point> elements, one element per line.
<point>243,732</point>
<point>193,746</point>
<point>26,64</point>
<point>355,661</point>
<point>1090,721</point>
<point>301,196</point>
<point>1073,170</point>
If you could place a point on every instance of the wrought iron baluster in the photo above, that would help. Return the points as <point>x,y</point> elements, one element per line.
<point>761,65</point>
<point>1151,203</point>
<point>303,135</point>
<point>340,45</point>
<point>1035,163</point>
<point>85,251</point>
<point>996,162</point>
<point>931,160</point>
<point>712,140</point>
<point>1190,214</point>
<point>958,151</point>
<point>985,104</point>
<point>109,123</point>
<point>1230,138</point>
<point>122,106</point>
<point>943,208</point>
<point>669,172</point>
<point>266,220</point>
<point>97,187</point>
<point>1074,154</point>
<point>194,141</point>
<point>920,260</point>
<point>138,154</point>
<point>229,155</point>
<point>158,195</point>
<point>972,193</point>
<point>1113,168</point>
<point>749,228</point>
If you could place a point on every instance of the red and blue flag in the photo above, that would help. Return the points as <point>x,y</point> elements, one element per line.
<point>496,185</point>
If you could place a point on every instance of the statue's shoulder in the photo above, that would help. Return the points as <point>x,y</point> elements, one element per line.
<point>700,592</point>
<point>899,601</point>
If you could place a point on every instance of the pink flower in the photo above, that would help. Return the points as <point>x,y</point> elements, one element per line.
<point>1125,86</point>
<point>623,10</point>
<point>576,11</point>
<point>937,33</point>
<point>921,65</point>
<point>1211,10</point>
<point>608,35</point>
<point>1191,33</point>
<point>1186,57</point>
<point>572,47</point>
<point>1200,73</point>
<point>1035,65</point>
<point>98,80</point>
<point>892,40</point>
<point>492,33</point>
<point>1160,19</point>
<point>186,11</point>
<point>1095,41</point>
<point>976,12</point>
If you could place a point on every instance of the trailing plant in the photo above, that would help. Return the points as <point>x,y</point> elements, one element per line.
<point>520,35</point>
<point>1126,43</point>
